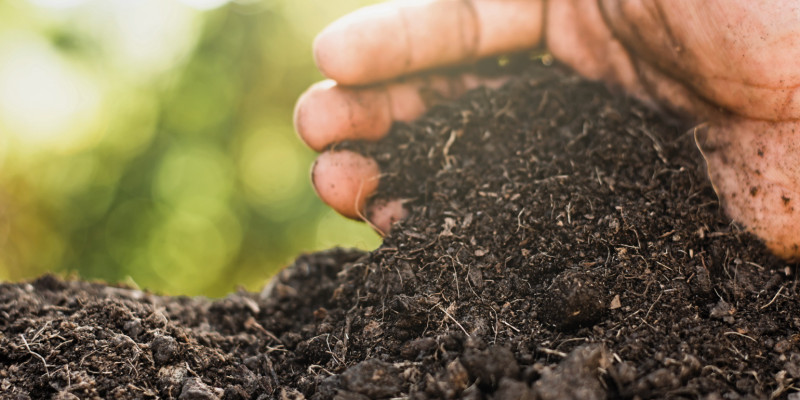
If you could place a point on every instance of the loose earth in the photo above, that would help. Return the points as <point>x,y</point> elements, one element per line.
<point>563,243</point>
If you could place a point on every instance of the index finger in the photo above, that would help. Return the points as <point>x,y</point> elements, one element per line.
<point>396,38</point>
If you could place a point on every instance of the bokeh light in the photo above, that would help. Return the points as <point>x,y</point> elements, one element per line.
<point>57,4</point>
<point>46,102</point>
<point>204,4</point>
<point>151,141</point>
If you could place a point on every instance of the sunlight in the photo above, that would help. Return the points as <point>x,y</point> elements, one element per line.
<point>204,4</point>
<point>147,37</point>
<point>57,4</point>
<point>44,101</point>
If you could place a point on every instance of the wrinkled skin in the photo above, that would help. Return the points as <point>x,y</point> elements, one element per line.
<point>728,64</point>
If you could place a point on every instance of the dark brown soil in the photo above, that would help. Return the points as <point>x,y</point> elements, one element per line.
<point>563,244</point>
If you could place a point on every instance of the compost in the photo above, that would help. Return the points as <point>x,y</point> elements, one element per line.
<point>563,243</point>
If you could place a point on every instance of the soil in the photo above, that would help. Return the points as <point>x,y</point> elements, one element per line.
<point>563,243</point>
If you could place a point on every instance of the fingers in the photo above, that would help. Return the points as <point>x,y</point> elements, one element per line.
<point>396,38</point>
<point>755,169</point>
<point>328,113</point>
<point>345,180</point>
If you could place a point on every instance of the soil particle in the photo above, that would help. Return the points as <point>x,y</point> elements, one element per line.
<point>512,389</point>
<point>373,378</point>
<point>418,348</point>
<point>164,348</point>
<point>488,366</point>
<point>195,389</point>
<point>563,242</point>
<point>578,377</point>
<point>573,300</point>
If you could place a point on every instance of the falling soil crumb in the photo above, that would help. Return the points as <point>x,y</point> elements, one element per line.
<point>563,243</point>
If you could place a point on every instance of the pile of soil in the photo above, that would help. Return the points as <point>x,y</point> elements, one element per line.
<point>563,243</point>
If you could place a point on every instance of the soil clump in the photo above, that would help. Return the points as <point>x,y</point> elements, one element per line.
<point>563,243</point>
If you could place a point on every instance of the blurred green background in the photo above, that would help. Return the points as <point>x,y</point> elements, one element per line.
<point>151,141</point>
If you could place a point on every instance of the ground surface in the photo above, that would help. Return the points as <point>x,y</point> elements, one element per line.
<point>563,243</point>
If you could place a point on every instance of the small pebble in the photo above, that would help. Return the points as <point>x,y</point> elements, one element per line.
<point>195,389</point>
<point>164,348</point>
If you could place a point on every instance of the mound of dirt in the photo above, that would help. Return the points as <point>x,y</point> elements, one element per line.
<point>563,243</point>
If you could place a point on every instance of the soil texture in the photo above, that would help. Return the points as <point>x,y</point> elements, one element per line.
<point>563,243</point>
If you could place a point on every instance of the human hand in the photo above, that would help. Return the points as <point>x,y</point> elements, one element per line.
<point>728,64</point>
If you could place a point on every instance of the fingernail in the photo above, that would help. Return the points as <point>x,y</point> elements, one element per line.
<point>313,173</point>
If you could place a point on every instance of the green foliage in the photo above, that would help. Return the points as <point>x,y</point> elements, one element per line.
<point>149,142</point>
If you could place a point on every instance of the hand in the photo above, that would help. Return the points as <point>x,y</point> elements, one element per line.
<point>728,64</point>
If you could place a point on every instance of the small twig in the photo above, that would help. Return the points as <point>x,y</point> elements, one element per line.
<point>510,326</point>
<point>446,150</point>
<point>552,352</point>
<point>569,215</point>
<point>314,367</point>
<point>347,324</point>
<point>36,335</point>
<point>35,354</point>
<point>653,305</point>
<point>739,334</point>
<point>496,319</point>
<point>455,279</point>
<point>330,351</point>
<point>272,349</point>
<point>575,339</point>
<point>773,299</point>
<point>454,320</point>
<point>251,323</point>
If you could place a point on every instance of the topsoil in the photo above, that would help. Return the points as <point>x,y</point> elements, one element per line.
<point>563,243</point>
